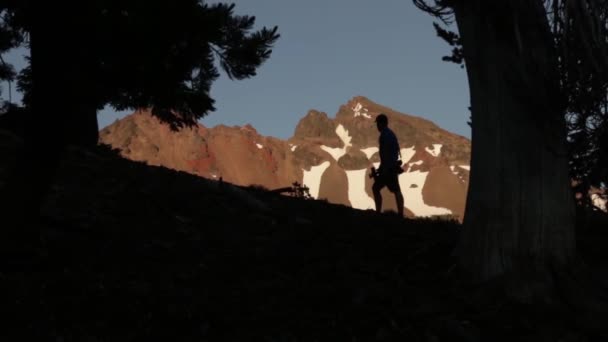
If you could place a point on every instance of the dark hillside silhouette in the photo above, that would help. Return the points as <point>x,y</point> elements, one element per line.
<point>144,253</point>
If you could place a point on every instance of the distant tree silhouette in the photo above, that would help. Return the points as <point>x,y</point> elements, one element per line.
<point>130,54</point>
<point>519,218</point>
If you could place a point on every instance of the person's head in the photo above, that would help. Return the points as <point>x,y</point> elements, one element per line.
<point>381,121</point>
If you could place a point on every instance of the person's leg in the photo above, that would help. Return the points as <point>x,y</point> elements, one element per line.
<point>393,186</point>
<point>377,196</point>
<point>399,199</point>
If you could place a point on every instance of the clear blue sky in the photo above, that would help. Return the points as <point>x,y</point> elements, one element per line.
<point>330,51</point>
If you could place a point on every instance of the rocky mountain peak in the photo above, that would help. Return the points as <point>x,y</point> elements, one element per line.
<point>331,156</point>
<point>315,125</point>
<point>249,128</point>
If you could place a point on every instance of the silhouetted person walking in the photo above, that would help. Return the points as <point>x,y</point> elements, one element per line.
<point>390,165</point>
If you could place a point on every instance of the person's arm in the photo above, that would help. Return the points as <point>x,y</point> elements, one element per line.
<point>383,151</point>
<point>397,149</point>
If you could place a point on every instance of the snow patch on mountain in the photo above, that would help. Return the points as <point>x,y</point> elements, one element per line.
<point>413,195</point>
<point>312,178</point>
<point>260,146</point>
<point>407,154</point>
<point>457,173</point>
<point>369,152</point>
<point>359,110</point>
<point>466,167</point>
<point>344,136</point>
<point>338,152</point>
<point>293,147</point>
<point>356,190</point>
<point>335,152</point>
<point>419,162</point>
<point>411,184</point>
<point>435,150</point>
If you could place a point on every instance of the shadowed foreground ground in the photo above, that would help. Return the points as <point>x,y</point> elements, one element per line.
<point>139,253</point>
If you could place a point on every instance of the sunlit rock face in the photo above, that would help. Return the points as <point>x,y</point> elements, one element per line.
<point>331,156</point>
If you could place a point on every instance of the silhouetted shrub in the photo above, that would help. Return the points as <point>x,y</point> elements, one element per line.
<point>300,190</point>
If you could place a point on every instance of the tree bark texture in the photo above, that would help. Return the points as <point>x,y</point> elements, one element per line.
<point>520,210</point>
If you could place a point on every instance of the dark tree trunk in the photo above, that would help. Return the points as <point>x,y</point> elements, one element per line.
<point>62,113</point>
<point>63,64</point>
<point>520,211</point>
